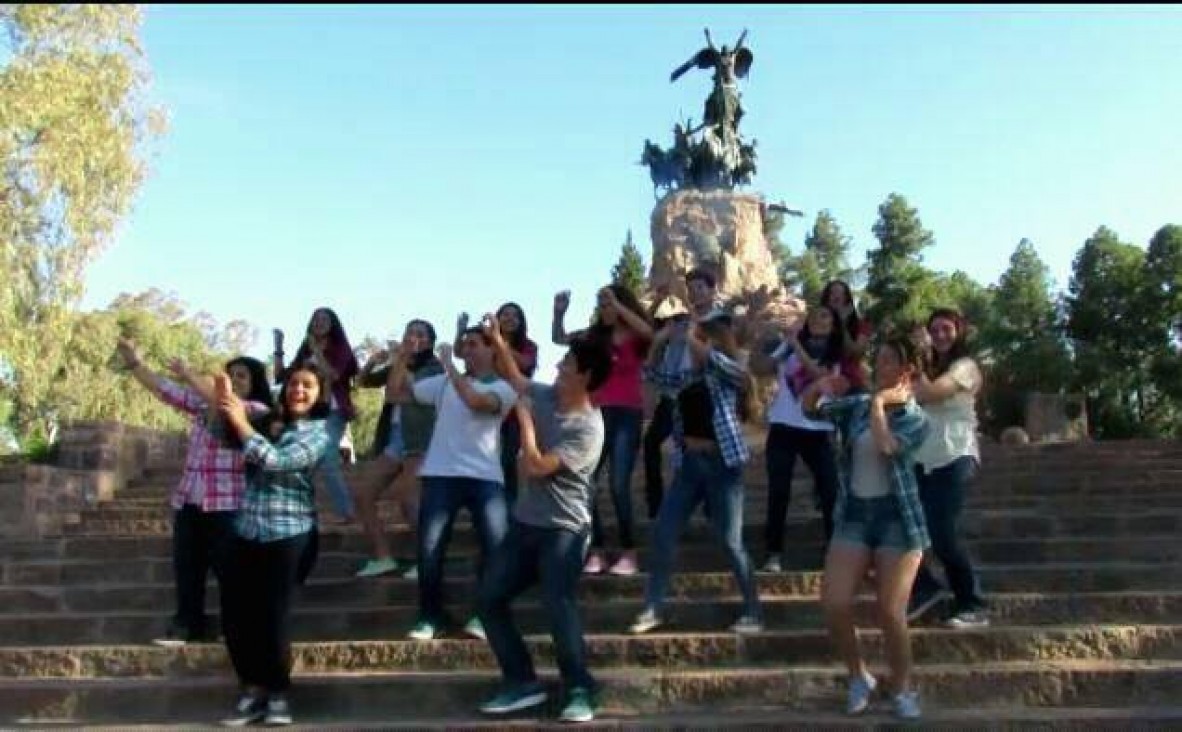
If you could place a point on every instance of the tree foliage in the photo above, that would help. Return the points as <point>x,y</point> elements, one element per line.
<point>899,287</point>
<point>73,125</point>
<point>629,269</point>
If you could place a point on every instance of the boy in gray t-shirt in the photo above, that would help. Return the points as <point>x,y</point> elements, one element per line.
<point>561,439</point>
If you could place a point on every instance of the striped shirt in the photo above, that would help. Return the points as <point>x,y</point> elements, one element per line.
<point>214,477</point>
<point>279,500</point>
<point>724,379</point>
<point>909,425</point>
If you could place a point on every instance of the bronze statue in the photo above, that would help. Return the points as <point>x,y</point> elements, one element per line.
<point>723,106</point>
<point>717,157</point>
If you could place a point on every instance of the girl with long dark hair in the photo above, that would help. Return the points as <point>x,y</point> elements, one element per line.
<point>620,321</point>
<point>211,486</point>
<point>327,347</point>
<point>515,330</point>
<point>404,432</point>
<point>948,462</point>
<point>276,530</point>
<point>797,361</point>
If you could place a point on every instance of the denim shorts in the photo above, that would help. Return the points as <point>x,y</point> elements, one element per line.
<point>395,445</point>
<point>874,523</point>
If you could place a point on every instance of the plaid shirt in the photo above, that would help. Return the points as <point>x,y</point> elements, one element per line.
<point>909,425</point>
<point>214,477</point>
<point>279,501</point>
<point>724,380</point>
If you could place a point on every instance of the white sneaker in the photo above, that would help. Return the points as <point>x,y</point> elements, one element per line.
<point>968,620</point>
<point>646,621</point>
<point>747,625</point>
<point>772,565</point>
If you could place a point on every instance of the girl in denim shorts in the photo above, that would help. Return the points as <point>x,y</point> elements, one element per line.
<point>878,516</point>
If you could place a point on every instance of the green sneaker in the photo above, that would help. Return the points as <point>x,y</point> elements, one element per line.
<point>515,699</point>
<point>424,630</point>
<point>475,629</point>
<point>378,567</point>
<point>580,706</point>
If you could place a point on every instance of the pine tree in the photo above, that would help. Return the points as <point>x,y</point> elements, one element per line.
<point>629,270</point>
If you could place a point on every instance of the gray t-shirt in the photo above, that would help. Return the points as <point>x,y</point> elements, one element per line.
<point>561,500</point>
<point>871,471</point>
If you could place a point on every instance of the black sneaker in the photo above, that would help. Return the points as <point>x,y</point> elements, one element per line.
<point>278,711</point>
<point>922,601</point>
<point>248,710</point>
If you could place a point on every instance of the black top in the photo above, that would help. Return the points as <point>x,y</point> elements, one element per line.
<point>697,411</point>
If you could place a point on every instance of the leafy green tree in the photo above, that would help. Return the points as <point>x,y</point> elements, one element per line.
<point>629,269</point>
<point>1109,332</point>
<point>1023,338</point>
<point>73,124</point>
<point>899,288</point>
<point>825,257</point>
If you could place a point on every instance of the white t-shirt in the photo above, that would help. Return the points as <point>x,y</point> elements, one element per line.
<point>952,431</point>
<point>785,407</point>
<point>464,444</point>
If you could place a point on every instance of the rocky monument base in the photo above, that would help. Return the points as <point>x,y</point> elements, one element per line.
<point>723,231</point>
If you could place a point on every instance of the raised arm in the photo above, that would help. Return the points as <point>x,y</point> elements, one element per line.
<point>477,401</point>
<point>558,332</point>
<point>507,366</point>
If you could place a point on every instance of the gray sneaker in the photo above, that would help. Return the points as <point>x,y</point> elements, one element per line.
<point>861,689</point>
<point>247,710</point>
<point>278,712</point>
<point>907,705</point>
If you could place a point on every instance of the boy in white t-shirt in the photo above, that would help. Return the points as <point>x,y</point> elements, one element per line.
<point>462,469</point>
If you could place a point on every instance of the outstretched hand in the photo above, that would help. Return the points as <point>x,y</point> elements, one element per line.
<point>126,349</point>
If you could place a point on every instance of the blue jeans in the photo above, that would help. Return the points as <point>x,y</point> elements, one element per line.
<point>442,500</point>
<point>621,442</point>
<point>530,554</point>
<point>942,493</point>
<point>703,476</point>
<point>330,467</point>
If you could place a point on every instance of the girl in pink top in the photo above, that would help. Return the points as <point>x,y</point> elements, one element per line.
<point>621,322</point>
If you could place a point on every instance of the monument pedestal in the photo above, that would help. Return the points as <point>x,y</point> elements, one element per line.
<point>721,230</point>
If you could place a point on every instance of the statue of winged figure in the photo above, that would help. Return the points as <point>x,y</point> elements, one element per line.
<point>723,107</point>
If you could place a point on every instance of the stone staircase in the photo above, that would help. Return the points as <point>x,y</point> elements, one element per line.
<point>1078,546</point>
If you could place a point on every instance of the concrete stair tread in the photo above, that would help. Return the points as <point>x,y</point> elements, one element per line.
<point>433,695</point>
<point>1019,718</point>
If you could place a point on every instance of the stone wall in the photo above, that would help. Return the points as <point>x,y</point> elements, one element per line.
<point>92,462</point>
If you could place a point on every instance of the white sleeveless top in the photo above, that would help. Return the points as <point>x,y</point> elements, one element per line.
<point>952,431</point>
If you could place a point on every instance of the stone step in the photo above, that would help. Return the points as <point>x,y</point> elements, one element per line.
<point>703,615</point>
<point>801,535</point>
<point>692,557</point>
<point>378,592</point>
<point>442,695</point>
<point>1012,719</point>
<point>659,650</point>
<point>979,523</point>
<point>1044,481</point>
<point>802,502</point>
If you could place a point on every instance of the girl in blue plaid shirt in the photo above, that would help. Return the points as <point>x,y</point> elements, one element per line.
<point>878,517</point>
<point>276,529</point>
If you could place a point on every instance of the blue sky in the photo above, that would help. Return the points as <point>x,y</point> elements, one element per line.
<point>399,162</point>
